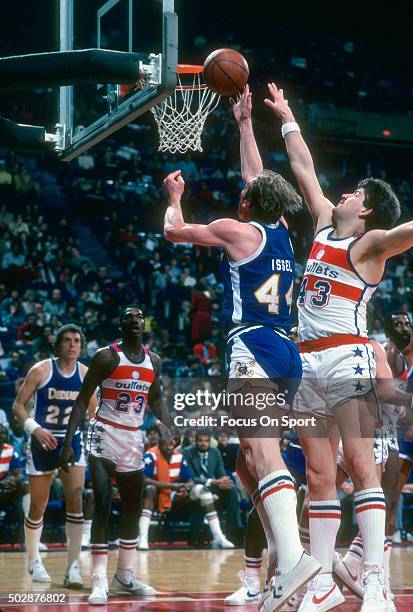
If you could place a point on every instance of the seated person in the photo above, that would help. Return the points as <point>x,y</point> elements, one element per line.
<point>208,469</point>
<point>169,486</point>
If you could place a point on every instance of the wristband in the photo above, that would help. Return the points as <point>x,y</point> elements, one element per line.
<point>292,126</point>
<point>30,425</point>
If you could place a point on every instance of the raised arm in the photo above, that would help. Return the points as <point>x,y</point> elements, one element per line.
<point>223,232</point>
<point>300,159</point>
<point>251,163</point>
<point>383,244</point>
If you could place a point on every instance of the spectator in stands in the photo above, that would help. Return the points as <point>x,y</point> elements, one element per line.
<point>56,305</point>
<point>153,434</point>
<point>14,257</point>
<point>201,308</point>
<point>42,347</point>
<point>229,458</point>
<point>14,370</point>
<point>208,469</point>
<point>205,350</point>
<point>28,331</point>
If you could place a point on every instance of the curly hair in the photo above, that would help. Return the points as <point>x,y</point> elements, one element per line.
<point>380,197</point>
<point>270,196</point>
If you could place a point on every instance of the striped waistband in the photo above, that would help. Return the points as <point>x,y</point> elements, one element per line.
<point>322,344</point>
<point>116,425</point>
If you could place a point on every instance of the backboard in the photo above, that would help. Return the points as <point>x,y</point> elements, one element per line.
<point>148,28</point>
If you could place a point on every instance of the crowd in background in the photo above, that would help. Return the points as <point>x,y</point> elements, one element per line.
<point>51,275</point>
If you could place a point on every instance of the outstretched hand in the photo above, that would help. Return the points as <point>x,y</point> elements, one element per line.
<point>242,106</point>
<point>174,185</point>
<point>278,104</point>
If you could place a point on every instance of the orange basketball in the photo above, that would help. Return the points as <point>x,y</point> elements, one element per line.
<point>225,72</point>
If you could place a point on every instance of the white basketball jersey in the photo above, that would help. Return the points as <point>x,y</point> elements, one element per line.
<point>333,297</point>
<point>124,395</point>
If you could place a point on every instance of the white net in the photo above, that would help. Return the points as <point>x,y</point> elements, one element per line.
<point>181,117</point>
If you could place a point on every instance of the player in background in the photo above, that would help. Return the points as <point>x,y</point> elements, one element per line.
<point>352,243</point>
<point>399,349</point>
<point>54,384</point>
<point>127,374</point>
<point>258,275</point>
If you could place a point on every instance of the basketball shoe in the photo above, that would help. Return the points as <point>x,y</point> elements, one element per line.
<point>143,543</point>
<point>321,599</point>
<point>283,586</point>
<point>126,583</point>
<point>73,578</point>
<point>374,599</point>
<point>99,594</point>
<point>222,542</point>
<point>248,593</point>
<point>38,571</point>
<point>349,574</point>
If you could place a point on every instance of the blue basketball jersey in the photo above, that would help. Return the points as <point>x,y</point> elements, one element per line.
<point>55,398</point>
<point>258,289</point>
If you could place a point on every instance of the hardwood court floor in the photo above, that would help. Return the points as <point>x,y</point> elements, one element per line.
<point>187,580</point>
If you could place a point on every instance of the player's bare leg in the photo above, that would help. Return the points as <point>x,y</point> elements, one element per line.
<point>356,420</point>
<point>39,489</point>
<point>73,483</point>
<point>320,445</point>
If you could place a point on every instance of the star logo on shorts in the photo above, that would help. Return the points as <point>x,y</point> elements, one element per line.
<point>358,352</point>
<point>358,370</point>
<point>99,450</point>
<point>359,387</point>
<point>98,439</point>
<point>99,428</point>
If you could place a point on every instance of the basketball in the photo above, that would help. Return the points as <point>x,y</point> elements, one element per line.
<point>225,72</point>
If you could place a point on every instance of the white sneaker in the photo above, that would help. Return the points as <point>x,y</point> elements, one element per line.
<point>409,537</point>
<point>243,597</point>
<point>130,585</point>
<point>317,600</point>
<point>283,586</point>
<point>73,578</point>
<point>38,571</point>
<point>349,576</point>
<point>390,602</point>
<point>43,547</point>
<point>397,537</point>
<point>374,599</point>
<point>99,594</point>
<point>222,542</point>
<point>143,543</point>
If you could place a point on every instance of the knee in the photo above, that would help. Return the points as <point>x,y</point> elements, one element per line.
<point>319,478</point>
<point>74,501</point>
<point>37,507</point>
<point>358,468</point>
<point>149,493</point>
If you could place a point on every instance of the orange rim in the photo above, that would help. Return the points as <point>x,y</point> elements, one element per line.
<point>188,69</point>
<point>189,87</point>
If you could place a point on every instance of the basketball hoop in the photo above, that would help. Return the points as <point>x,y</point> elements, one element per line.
<point>181,117</point>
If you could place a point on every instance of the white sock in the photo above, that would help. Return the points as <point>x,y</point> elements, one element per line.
<point>388,545</point>
<point>33,533</point>
<point>325,518</point>
<point>370,510</point>
<point>271,548</point>
<point>127,555</point>
<point>304,537</point>
<point>215,527</point>
<point>253,572</point>
<point>99,559</point>
<point>145,523</point>
<point>74,534</point>
<point>87,528</point>
<point>278,496</point>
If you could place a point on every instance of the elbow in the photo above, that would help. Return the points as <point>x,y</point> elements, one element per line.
<point>168,234</point>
